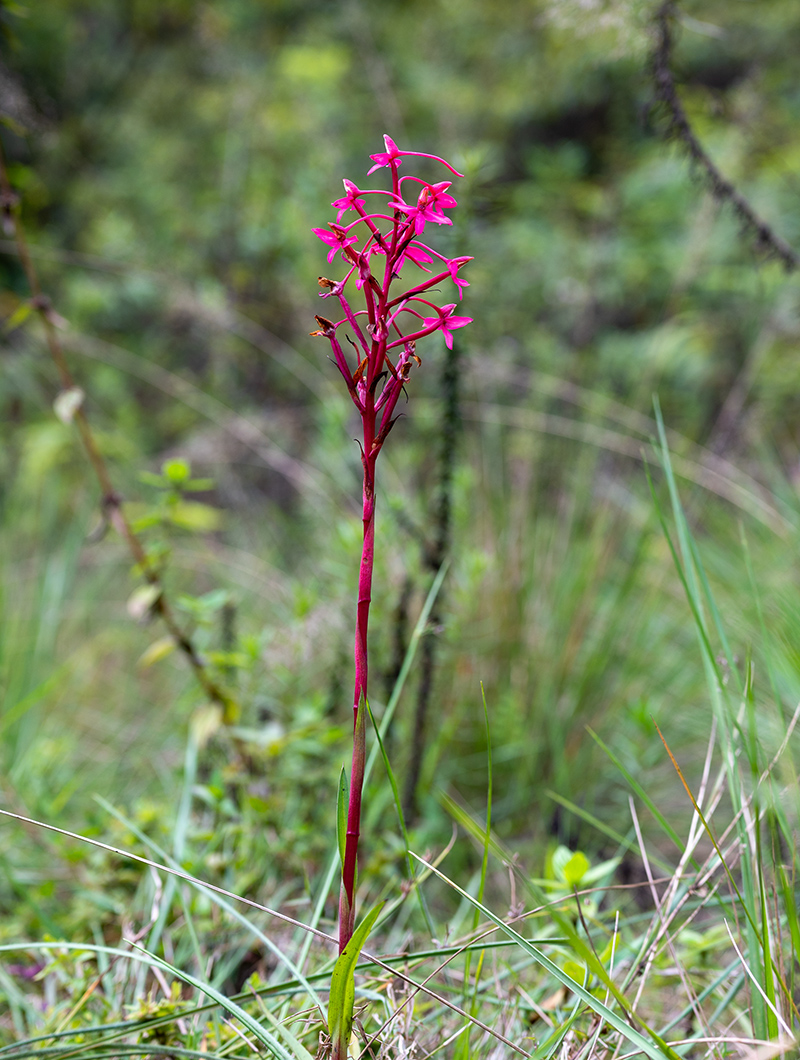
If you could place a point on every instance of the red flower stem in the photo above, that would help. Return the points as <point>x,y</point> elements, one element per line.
<point>375,373</point>
<point>347,895</point>
<point>414,336</point>
<point>350,315</point>
<point>392,398</point>
<point>341,364</point>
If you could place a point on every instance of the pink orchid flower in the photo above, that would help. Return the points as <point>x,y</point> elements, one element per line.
<point>447,323</point>
<point>350,200</point>
<point>394,156</point>
<point>453,265</point>
<point>337,239</point>
<point>432,200</point>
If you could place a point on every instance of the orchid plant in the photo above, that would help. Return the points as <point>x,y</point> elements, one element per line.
<point>378,247</point>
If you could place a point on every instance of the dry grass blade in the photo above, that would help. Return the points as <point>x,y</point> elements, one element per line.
<point>756,983</point>
<point>659,904</point>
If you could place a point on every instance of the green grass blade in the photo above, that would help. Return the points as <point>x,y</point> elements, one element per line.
<point>398,805</point>
<point>218,900</point>
<point>555,1038</point>
<point>641,792</point>
<point>138,953</point>
<point>489,792</point>
<point>766,960</point>
<point>178,840</point>
<point>757,944</point>
<point>244,1017</point>
<point>656,1048</point>
<point>762,625</point>
<point>711,604</point>
<point>462,1051</point>
<point>298,1049</point>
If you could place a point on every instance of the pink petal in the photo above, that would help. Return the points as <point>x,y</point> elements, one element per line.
<point>324,235</point>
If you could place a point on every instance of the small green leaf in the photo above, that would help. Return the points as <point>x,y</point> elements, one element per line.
<point>145,522</point>
<point>575,869</point>
<point>176,471</point>
<point>150,478</point>
<point>18,317</point>
<point>341,812</point>
<point>229,659</point>
<point>597,872</point>
<point>343,987</point>
<point>558,860</point>
<point>157,651</point>
<point>191,515</point>
<point>142,601</point>
<point>204,607</point>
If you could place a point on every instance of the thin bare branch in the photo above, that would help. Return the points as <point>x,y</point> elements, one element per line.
<point>110,499</point>
<point>679,128</point>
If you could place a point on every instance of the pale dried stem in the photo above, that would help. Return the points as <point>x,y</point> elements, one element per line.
<point>660,904</point>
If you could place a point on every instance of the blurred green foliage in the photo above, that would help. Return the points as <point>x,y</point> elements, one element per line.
<point>191,146</point>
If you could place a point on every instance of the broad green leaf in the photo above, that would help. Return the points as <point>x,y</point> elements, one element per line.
<point>569,867</point>
<point>343,987</point>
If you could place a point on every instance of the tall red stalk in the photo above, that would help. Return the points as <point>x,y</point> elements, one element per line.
<point>346,897</point>
<point>391,322</point>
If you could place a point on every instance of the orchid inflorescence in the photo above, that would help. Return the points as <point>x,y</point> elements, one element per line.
<point>376,247</point>
<point>396,245</point>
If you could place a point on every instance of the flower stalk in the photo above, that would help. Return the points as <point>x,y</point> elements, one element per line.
<point>383,332</point>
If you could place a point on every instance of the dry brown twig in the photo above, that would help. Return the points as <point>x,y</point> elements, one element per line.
<point>110,499</point>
